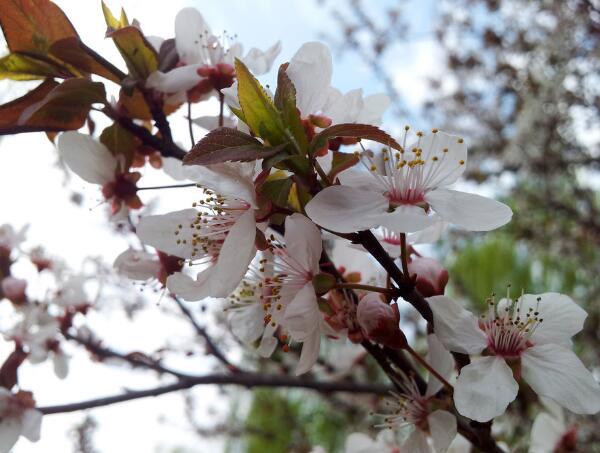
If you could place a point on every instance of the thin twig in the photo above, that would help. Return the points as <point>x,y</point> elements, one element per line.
<point>190,124</point>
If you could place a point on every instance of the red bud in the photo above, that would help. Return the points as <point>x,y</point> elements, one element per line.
<point>380,321</point>
<point>431,276</point>
<point>14,290</point>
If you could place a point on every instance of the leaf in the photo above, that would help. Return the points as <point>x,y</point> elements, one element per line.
<point>226,144</point>
<point>52,107</point>
<point>285,101</point>
<point>365,131</point>
<point>139,55</point>
<point>33,25</point>
<point>259,112</point>
<point>119,141</point>
<point>113,23</point>
<point>277,190</point>
<point>17,66</point>
<point>77,54</point>
<point>11,111</point>
<point>340,162</point>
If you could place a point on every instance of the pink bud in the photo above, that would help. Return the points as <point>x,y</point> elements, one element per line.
<point>14,290</point>
<point>380,321</point>
<point>431,276</point>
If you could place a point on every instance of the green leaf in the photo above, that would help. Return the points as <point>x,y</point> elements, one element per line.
<point>226,144</point>
<point>16,66</point>
<point>340,162</point>
<point>111,21</point>
<point>52,107</point>
<point>285,101</point>
<point>259,111</point>
<point>139,55</point>
<point>278,191</point>
<point>353,130</point>
<point>119,141</point>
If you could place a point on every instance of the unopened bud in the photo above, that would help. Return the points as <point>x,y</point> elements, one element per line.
<point>14,290</point>
<point>431,278</point>
<point>323,283</point>
<point>380,321</point>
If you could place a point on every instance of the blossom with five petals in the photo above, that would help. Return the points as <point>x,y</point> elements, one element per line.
<point>533,334</point>
<point>400,190</point>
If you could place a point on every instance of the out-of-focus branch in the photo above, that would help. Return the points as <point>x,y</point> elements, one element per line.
<point>247,380</point>
<point>211,347</point>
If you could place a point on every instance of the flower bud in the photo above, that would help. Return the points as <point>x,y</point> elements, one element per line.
<point>380,321</point>
<point>431,278</point>
<point>14,290</point>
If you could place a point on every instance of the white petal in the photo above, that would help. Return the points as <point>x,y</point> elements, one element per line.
<point>159,232</point>
<point>137,265</point>
<point>303,241</point>
<point>556,372</point>
<point>442,426</point>
<point>405,219</point>
<point>309,354</point>
<point>448,168</point>
<point>457,328</point>
<point>177,80</point>
<point>210,122</point>
<point>310,70</point>
<point>260,62</point>
<point>430,234</point>
<point>302,314</point>
<point>460,445</point>
<point>191,289</point>
<point>346,209</point>
<point>248,323</point>
<point>360,443</point>
<point>10,429</point>
<point>88,158</point>
<point>31,424</point>
<point>441,361</point>
<point>231,96</point>
<point>416,442</point>
<point>192,36</point>
<point>546,432</point>
<point>268,342</point>
<point>469,211</point>
<point>344,108</point>
<point>373,108</point>
<point>485,388</point>
<point>562,317</point>
<point>233,179</point>
<point>61,364</point>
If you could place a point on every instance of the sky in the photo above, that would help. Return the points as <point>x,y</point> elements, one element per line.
<point>32,188</point>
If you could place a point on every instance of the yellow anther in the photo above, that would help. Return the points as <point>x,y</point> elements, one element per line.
<point>434,130</point>
<point>462,162</point>
<point>460,140</point>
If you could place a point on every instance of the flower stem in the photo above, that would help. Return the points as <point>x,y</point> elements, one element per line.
<point>189,118</point>
<point>376,289</point>
<point>221,105</point>
<point>404,256</point>
<point>174,186</point>
<point>321,173</point>
<point>429,368</point>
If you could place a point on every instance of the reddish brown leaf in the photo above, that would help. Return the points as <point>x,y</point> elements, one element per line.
<point>138,53</point>
<point>227,144</point>
<point>135,106</point>
<point>11,111</point>
<point>340,162</point>
<point>365,131</point>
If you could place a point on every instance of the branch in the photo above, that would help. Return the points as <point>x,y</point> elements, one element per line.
<point>211,347</point>
<point>247,380</point>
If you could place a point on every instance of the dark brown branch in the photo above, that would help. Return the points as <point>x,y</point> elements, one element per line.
<point>211,347</point>
<point>247,380</point>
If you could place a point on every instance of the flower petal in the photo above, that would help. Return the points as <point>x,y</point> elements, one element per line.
<point>430,234</point>
<point>268,342</point>
<point>546,432</point>
<point>10,430</point>
<point>457,328</point>
<point>469,211</point>
<point>556,372</point>
<point>302,314</point>
<point>346,209</point>
<point>247,323</point>
<point>484,388</point>
<point>442,426</point>
<point>416,442</point>
<point>31,424</point>
<point>344,108</point>
<point>405,219</point>
<point>179,79</point>
<point>303,242</point>
<point>310,70</point>
<point>192,36</point>
<point>137,265</point>
<point>441,361</point>
<point>260,62</point>
<point>159,232</point>
<point>310,353</point>
<point>359,443</point>
<point>373,108</point>
<point>562,317</point>
<point>87,158</point>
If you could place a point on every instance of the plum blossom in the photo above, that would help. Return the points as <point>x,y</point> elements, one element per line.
<point>433,429</point>
<point>18,417</point>
<point>219,231</point>
<point>94,163</point>
<point>206,60</point>
<point>528,337</point>
<point>321,105</point>
<point>361,443</point>
<point>402,190</point>
<point>147,267</point>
